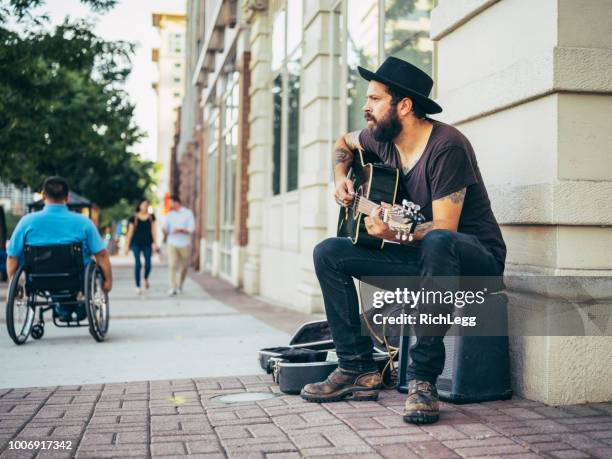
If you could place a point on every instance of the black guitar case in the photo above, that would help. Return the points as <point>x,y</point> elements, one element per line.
<point>308,358</point>
<point>308,344</point>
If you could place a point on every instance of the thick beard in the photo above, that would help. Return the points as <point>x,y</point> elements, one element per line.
<point>388,128</point>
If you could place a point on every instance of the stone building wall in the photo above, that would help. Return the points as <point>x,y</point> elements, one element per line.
<point>529,84</point>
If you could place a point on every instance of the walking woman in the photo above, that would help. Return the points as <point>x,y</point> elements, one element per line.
<point>141,238</point>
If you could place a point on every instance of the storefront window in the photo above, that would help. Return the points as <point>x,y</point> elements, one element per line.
<point>229,152</point>
<point>277,100</point>
<point>407,27</point>
<point>287,39</point>
<point>211,113</point>
<point>293,122</point>
<point>362,50</point>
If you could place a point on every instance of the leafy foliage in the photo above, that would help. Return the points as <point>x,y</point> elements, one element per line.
<point>63,110</point>
<point>118,211</point>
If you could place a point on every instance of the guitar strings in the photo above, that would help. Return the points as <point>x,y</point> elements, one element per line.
<point>366,206</point>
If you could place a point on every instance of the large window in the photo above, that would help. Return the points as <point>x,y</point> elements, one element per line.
<point>211,113</point>
<point>362,49</point>
<point>277,101</point>
<point>377,29</point>
<point>293,120</point>
<point>222,115</point>
<point>229,150</point>
<point>286,68</point>
<point>176,43</point>
<point>406,33</point>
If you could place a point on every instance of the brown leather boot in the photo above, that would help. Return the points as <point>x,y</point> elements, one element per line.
<point>422,404</point>
<point>340,385</point>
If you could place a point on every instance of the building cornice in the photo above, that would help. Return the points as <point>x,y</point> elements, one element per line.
<point>172,17</point>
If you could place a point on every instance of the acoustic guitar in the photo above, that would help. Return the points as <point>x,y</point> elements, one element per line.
<point>375,183</point>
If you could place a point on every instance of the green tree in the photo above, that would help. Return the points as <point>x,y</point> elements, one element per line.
<point>63,109</point>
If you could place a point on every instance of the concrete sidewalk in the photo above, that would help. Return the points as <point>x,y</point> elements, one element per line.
<point>186,417</point>
<point>150,337</point>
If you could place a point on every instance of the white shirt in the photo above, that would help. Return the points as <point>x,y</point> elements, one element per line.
<point>179,219</point>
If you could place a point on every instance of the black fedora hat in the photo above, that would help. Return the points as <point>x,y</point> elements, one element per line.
<point>407,79</point>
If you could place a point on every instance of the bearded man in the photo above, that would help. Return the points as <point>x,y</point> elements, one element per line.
<point>460,237</point>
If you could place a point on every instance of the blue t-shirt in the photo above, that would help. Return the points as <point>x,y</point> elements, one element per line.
<point>55,224</point>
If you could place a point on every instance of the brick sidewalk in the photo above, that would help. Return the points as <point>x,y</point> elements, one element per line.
<point>174,418</point>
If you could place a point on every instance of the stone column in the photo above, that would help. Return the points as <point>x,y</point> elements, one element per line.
<point>315,154</point>
<point>529,84</point>
<point>260,142</point>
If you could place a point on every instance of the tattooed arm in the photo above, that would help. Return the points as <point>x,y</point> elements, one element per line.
<point>345,146</point>
<point>446,212</point>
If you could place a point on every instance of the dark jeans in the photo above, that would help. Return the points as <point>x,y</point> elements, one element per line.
<point>146,251</point>
<point>440,253</point>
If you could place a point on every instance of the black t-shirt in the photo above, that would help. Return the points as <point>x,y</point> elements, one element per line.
<point>142,235</point>
<point>447,165</point>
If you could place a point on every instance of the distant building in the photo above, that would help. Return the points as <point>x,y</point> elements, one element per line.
<point>170,59</point>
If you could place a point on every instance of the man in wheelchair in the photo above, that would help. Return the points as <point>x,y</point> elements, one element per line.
<point>49,239</point>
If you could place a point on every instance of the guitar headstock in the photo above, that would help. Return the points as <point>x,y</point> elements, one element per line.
<point>403,219</point>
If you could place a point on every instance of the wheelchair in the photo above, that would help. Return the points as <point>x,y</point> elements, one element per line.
<point>55,278</point>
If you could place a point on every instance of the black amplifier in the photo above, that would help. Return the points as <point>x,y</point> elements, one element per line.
<point>476,368</point>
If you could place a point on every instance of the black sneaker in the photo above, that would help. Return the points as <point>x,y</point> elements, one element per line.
<point>341,385</point>
<point>422,404</point>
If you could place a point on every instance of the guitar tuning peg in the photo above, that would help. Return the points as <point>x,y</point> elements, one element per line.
<point>404,236</point>
<point>397,235</point>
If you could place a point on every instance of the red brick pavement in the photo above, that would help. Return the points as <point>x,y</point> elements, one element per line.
<point>179,418</point>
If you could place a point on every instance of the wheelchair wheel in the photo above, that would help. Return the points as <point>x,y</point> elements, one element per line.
<point>19,312</point>
<point>38,331</point>
<point>96,302</point>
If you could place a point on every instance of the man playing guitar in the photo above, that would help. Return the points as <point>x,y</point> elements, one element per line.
<point>460,236</point>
